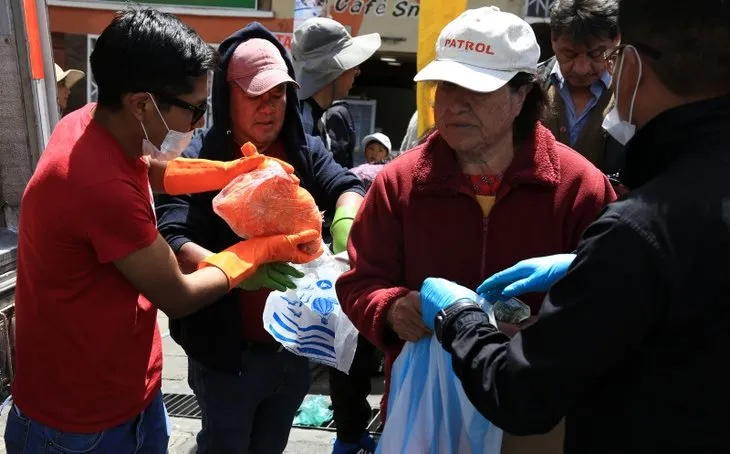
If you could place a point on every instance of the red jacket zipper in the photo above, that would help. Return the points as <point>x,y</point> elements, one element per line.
<point>485,229</point>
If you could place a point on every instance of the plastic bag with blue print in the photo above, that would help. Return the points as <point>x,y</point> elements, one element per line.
<point>428,411</point>
<point>308,321</point>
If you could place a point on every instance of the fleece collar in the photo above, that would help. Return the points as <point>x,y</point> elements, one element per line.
<point>536,163</point>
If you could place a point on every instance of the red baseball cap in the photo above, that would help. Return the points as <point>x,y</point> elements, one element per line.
<point>257,66</point>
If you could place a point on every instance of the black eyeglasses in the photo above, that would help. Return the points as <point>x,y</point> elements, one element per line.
<point>198,111</point>
<point>611,57</point>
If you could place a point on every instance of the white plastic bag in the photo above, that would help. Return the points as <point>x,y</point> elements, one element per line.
<point>428,411</point>
<point>309,321</point>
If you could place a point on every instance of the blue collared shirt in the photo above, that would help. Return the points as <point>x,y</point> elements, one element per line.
<point>575,123</point>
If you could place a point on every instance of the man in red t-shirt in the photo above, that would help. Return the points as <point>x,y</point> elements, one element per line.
<point>92,268</point>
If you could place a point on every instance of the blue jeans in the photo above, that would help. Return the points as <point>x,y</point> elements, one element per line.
<point>252,412</point>
<point>147,434</point>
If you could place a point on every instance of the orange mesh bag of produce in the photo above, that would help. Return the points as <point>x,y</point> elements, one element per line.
<point>268,201</point>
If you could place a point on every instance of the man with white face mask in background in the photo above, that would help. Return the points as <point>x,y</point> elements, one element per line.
<point>577,79</point>
<point>628,346</point>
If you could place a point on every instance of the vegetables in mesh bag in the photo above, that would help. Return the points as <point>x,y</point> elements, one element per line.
<point>268,201</point>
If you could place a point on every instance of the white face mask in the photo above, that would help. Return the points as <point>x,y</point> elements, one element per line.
<point>172,146</point>
<point>622,130</point>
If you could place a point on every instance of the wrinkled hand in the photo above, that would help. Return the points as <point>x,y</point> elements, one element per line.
<point>274,276</point>
<point>404,316</point>
<point>438,294</point>
<point>532,275</point>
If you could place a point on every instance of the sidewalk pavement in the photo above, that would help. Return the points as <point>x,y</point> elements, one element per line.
<point>182,439</point>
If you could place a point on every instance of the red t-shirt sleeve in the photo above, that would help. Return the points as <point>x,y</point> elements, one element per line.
<point>118,220</point>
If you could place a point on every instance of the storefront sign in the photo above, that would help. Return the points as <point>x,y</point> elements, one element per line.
<point>395,20</point>
<point>306,9</point>
<point>219,3</point>
<point>352,13</point>
<point>401,8</point>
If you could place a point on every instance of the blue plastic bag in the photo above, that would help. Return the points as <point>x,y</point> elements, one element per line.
<point>428,411</point>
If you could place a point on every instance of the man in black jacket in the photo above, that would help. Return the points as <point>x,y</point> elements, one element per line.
<point>630,344</point>
<point>247,385</point>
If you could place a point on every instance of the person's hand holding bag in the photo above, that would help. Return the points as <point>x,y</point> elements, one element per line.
<point>404,318</point>
<point>437,294</point>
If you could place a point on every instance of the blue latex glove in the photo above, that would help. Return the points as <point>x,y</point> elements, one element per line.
<point>438,294</point>
<point>532,275</point>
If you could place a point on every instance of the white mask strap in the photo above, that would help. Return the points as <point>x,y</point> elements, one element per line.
<point>636,87</point>
<point>158,112</point>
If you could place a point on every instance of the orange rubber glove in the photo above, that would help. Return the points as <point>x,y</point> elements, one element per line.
<point>191,176</point>
<point>241,260</point>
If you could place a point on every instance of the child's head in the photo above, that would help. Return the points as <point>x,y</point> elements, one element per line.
<point>376,147</point>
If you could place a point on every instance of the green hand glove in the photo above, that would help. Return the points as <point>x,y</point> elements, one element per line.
<point>274,276</point>
<point>341,225</point>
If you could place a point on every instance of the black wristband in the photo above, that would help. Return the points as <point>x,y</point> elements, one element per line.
<point>450,312</point>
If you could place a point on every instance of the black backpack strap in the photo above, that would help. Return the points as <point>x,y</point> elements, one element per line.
<point>544,70</point>
<point>341,149</point>
<point>342,108</point>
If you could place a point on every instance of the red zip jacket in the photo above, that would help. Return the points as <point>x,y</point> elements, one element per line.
<point>421,219</point>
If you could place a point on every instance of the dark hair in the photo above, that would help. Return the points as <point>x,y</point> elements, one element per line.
<point>145,50</point>
<point>584,20</point>
<point>532,108</point>
<point>686,44</point>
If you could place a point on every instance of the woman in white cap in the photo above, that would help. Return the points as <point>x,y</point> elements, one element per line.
<point>489,186</point>
<point>64,81</point>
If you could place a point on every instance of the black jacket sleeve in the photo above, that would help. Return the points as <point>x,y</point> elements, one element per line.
<point>591,320</point>
<point>341,142</point>
<point>185,218</point>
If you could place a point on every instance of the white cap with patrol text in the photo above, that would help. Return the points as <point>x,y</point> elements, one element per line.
<point>482,49</point>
